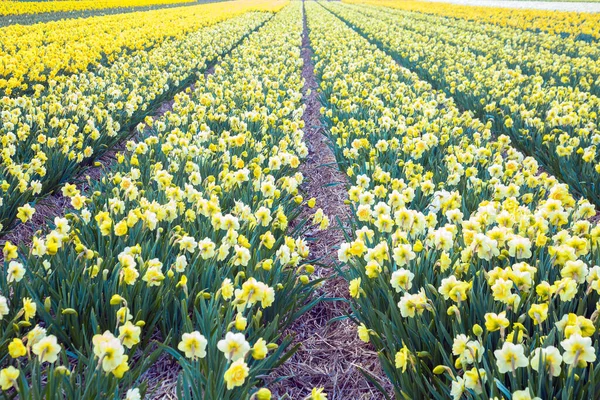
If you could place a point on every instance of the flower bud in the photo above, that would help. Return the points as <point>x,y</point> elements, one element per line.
<point>263,394</point>
<point>47,304</point>
<point>116,300</point>
<point>240,322</point>
<point>267,265</point>
<point>418,246</point>
<point>62,370</point>
<point>440,369</point>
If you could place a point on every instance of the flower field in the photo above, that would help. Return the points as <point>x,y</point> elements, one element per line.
<point>36,7</point>
<point>188,255</point>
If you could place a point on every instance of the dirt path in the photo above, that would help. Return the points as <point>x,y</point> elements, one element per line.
<point>330,354</point>
<point>534,5</point>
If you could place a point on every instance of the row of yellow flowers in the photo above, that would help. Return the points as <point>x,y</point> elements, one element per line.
<point>186,239</point>
<point>559,60</point>
<point>471,273</point>
<point>39,54</point>
<point>546,115</point>
<point>8,7</point>
<point>47,137</point>
<point>578,25</point>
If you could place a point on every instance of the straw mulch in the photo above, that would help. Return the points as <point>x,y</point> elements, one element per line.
<point>331,353</point>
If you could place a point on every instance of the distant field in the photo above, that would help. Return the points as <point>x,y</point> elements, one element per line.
<point>565,1</point>
<point>36,7</point>
<point>29,19</point>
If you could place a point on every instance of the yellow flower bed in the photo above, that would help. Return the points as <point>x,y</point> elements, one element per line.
<point>471,273</point>
<point>49,136</point>
<point>548,101</point>
<point>36,7</point>
<point>37,54</point>
<point>571,23</point>
<point>186,239</point>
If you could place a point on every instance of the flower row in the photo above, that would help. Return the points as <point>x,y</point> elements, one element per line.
<point>554,122</point>
<point>472,274</point>
<point>582,26</point>
<point>48,137</point>
<point>36,7</point>
<point>32,55</point>
<point>187,239</point>
<point>557,59</point>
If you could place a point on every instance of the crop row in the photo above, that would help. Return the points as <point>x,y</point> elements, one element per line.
<point>556,123</point>
<point>49,136</point>
<point>37,7</point>
<point>558,60</point>
<point>186,239</point>
<point>471,273</point>
<point>581,26</point>
<point>41,53</point>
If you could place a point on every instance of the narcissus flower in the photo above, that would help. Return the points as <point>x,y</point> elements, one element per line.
<point>234,346</point>
<point>133,394</point>
<point>354,288</point>
<point>129,334</point>
<point>236,374</point>
<point>317,394</point>
<point>260,349</point>
<point>29,308</point>
<point>47,349</point>
<point>8,377</point>
<point>16,348</point>
<point>193,345</point>
<point>15,272</point>
<point>510,357</point>
<point>401,359</point>
<point>549,358</point>
<point>578,350</point>
<point>109,350</point>
<point>524,394</point>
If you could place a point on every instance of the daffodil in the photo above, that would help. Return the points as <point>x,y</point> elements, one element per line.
<point>549,358</point>
<point>193,345</point>
<point>8,377</point>
<point>236,374</point>
<point>47,349</point>
<point>234,346</point>
<point>578,350</point>
<point>510,357</point>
